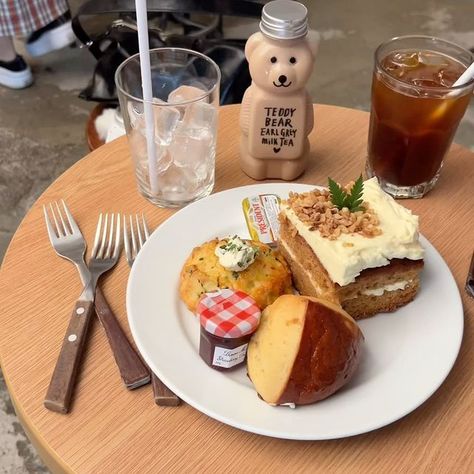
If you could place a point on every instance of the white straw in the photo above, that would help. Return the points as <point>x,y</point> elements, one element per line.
<point>145,69</point>
<point>466,76</point>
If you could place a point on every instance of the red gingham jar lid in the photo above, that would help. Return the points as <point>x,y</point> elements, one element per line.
<point>228,313</point>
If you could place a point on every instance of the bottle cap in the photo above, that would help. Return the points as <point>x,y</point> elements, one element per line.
<point>284,19</point>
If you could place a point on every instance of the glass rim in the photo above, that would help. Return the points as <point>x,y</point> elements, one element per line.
<point>460,87</point>
<point>168,104</point>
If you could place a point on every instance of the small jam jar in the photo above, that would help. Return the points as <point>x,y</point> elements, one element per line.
<point>228,319</point>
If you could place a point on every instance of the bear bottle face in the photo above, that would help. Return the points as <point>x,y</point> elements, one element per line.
<point>279,67</point>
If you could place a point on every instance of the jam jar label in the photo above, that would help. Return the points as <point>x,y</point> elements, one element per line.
<point>229,357</point>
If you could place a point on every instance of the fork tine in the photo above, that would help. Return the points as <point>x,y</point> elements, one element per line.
<point>56,223</point>
<point>103,242</point>
<point>95,247</point>
<point>117,238</point>
<point>126,240</point>
<point>145,228</point>
<point>134,241</point>
<point>139,232</point>
<point>108,252</point>
<point>64,227</point>
<point>49,226</point>
<point>72,222</point>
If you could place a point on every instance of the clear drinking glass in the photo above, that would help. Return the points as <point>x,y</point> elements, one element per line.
<point>415,111</point>
<point>185,86</point>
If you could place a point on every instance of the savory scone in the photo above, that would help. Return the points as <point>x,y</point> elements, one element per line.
<point>265,278</point>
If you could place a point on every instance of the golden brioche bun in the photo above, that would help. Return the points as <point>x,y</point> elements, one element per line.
<point>304,350</point>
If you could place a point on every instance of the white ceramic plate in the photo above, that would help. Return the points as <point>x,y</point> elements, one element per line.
<point>406,357</point>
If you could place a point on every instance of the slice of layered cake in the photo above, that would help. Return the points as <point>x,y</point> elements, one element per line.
<point>362,253</point>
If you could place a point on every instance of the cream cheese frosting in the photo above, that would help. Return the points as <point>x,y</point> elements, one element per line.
<point>379,291</point>
<point>345,257</point>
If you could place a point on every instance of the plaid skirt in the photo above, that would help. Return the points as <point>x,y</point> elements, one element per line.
<point>22,17</point>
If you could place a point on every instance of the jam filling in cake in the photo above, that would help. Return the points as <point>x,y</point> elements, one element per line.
<point>366,258</point>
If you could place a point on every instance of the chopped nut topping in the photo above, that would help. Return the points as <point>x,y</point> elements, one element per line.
<point>316,209</point>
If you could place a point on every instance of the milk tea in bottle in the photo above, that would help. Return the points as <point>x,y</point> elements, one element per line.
<point>277,111</point>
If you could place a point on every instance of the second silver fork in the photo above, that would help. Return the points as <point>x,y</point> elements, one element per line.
<point>133,241</point>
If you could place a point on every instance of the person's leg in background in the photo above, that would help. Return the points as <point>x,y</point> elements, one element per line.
<point>46,24</point>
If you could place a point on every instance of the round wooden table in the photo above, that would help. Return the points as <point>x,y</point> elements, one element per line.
<point>113,430</point>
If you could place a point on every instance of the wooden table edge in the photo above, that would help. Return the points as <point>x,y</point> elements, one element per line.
<point>47,454</point>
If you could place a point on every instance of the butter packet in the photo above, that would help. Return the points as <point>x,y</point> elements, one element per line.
<point>261,215</point>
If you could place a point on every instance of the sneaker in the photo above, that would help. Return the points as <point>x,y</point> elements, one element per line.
<point>55,35</point>
<point>15,74</point>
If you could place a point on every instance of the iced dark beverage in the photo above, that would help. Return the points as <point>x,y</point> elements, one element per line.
<point>415,111</point>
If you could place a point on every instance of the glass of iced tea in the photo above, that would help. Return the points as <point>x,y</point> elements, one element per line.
<point>415,111</point>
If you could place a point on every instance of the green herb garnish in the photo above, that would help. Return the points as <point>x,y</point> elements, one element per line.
<point>341,198</point>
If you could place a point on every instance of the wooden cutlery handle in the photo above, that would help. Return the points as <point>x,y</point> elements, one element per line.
<point>133,371</point>
<point>63,380</point>
<point>164,397</point>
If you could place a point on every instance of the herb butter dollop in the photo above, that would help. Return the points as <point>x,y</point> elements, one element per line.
<point>235,255</point>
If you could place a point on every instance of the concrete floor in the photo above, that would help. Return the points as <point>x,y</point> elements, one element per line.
<point>42,128</point>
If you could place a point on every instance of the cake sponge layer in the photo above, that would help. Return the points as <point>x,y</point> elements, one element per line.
<point>360,298</point>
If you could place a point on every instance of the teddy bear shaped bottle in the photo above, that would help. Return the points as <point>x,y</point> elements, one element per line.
<point>277,112</point>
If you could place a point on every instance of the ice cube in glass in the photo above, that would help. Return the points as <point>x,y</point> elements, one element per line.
<point>166,120</point>
<point>200,115</point>
<point>189,149</point>
<point>184,94</point>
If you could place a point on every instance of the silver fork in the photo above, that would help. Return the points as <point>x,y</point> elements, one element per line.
<point>105,254</point>
<point>133,242</point>
<point>65,234</point>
